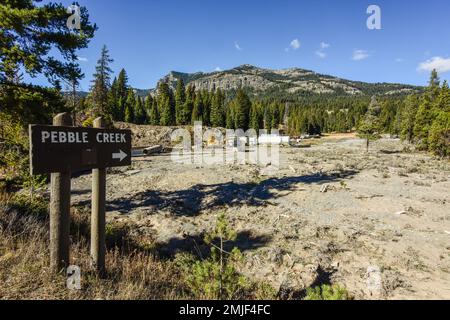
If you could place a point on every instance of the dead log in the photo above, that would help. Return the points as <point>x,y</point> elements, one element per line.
<point>153,150</point>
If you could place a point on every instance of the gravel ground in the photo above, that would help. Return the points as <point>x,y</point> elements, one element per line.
<point>377,223</point>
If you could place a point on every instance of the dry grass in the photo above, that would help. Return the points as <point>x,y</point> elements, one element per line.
<point>133,273</point>
<point>134,269</point>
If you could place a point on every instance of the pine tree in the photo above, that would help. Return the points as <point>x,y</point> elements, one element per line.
<point>148,102</point>
<point>440,135</point>
<point>121,108</point>
<point>139,112</point>
<point>206,111</point>
<point>439,138</point>
<point>387,116</point>
<point>409,117</point>
<point>443,100</point>
<point>275,116</point>
<point>229,119</point>
<point>31,30</point>
<point>242,110</point>
<point>369,128</point>
<point>101,84</point>
<point>267,118</point>
<point>153,118</point>
<point>255,118</point>
<point>113,101</point>
<point>188,105</point>
<point>180,100</point>
<point>424,117</point>
<point>197,112</point>
<point>396,126</point>
<point>166,105</point>
<point>34,40</point>
<point>122,92</point>
<point>217,109</point>
<point>434,85</point>
<point>129,106</point>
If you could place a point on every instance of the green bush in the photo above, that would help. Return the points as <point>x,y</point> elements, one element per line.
<point>88,123</point>
<point>14,156</point>
<point>327,292</point>
<point>215,277</point>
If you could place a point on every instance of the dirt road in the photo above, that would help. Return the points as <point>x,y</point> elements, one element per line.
<point>377,223</point>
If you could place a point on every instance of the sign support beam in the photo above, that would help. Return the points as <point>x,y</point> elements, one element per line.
<point>98,215</point>
<point>60,210</point>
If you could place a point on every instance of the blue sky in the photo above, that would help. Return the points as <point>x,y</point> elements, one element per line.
<point>150,38</point>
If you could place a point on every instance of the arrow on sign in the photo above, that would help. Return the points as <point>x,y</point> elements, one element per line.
<point>120,155</point>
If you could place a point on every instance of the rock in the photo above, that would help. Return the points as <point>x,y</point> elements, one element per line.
<point>189,229</point>
<point>324,188</point>
<point>335,265</point>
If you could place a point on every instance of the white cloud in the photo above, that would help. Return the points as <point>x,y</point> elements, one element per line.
<point>439,63</point>
<point>399,60</point>
<point>295,44</point>
<point>237,46</point>
<point>217,69</point>
<point>82,59</point>
<point>321,54</point>
<point>360,55</point>
<point>324,45</point>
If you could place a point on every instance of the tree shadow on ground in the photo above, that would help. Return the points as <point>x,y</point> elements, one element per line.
<point>194,244</point>
<point>189,202</point>
<point>80,192</point>
<point>323,277</point>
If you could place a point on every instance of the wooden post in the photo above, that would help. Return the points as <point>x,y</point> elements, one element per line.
<point>98,246</point>
<point>60,210</point>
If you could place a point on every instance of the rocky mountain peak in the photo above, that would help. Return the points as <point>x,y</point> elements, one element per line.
<point>283,82</point>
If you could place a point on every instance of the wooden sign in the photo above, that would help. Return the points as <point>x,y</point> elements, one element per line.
<point>61,149</point>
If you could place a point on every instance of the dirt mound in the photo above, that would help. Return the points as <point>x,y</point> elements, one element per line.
<point>146,136</point>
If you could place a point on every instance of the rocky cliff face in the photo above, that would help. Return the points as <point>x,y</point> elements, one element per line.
<point>286,81</point>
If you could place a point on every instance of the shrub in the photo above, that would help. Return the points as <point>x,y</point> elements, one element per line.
<point>88,123</point>
<point>14,156</point>
<point>215,277</point>
<point>327,292</point>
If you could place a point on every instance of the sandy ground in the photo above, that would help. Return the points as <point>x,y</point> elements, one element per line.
<point>381,228</point>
